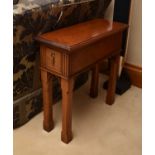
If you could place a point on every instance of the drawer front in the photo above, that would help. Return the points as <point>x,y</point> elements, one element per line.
<point>53,60</point>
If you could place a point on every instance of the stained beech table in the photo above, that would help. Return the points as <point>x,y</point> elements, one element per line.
<point>69,51</point>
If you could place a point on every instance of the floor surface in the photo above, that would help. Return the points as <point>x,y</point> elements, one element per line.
<point>98,129</point>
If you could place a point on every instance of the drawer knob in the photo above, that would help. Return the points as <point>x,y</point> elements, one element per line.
<point>53,58</point>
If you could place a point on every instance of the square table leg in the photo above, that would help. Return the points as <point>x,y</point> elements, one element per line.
<point>94,81</point>
<point>114,64</point>
<point>67,92</point>
<point>47,101</point>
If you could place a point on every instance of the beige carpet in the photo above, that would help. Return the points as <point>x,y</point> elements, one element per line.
<point>98,129</point>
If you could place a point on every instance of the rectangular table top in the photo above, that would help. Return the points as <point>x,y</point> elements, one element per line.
<point>79,35</point>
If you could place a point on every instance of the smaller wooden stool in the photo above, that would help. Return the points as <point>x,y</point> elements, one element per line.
<point>68,52</point>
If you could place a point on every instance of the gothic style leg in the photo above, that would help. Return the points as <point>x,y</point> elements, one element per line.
<point>47,105</point>
<point>94,81</point>
<point>114,64</point>
<point>67,91</point>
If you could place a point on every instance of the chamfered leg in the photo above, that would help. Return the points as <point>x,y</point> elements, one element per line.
<point>94,81</point>
<point>67,92</point>
<point>114,64</point>
<point>47,101</point>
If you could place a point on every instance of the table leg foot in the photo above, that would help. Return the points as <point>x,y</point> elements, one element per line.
<point>110,101</point>
<point>66,137</point>
<point>48,127</point>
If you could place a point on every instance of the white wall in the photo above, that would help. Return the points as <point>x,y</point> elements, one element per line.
<point>109,12</point>
<point>134,51</point>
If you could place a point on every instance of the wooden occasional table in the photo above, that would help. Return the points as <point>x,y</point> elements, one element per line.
<point>70,51</point>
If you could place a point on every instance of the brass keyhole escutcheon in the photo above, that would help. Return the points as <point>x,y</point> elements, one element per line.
<point>53,58</point>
